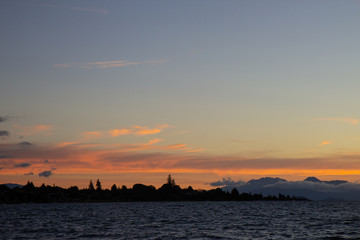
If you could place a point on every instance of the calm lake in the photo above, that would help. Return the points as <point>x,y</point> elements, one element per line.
<point>182,220</point>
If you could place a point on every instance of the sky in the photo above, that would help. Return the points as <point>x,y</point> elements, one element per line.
<point>131,91</point>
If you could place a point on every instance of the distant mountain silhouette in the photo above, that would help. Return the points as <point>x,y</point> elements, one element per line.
<point>311,188</point>
<point>13,185</point>
<point>335,182</point>
<point>312,179</point>
<point>332,182</point>
<point>265,181</point>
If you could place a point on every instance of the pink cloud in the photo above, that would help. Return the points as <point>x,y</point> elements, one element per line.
<point>106,64</point>
<point>36,129</point>
<point>352,121</point>
<point>91,135</point>
<point>76,159</point>
<point>137,130</point>
<point>196,150</point>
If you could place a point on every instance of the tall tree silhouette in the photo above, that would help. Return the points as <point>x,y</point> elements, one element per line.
<point>91,185</point>
<point>170,181</point>
<point>98,185</point>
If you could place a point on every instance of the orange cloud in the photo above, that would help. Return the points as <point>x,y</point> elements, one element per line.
<point>75,159</point>
<point>118,132</point>
<point>325,143</point>
<point>137,130</point>
<point>36,129</point>
<point>65,144</point>
<point>153,141</point>
<point>106,64</point>
<point>91,135</point>
<point>352,121</point>
<point>149,146</point>
<point>196,150</point>
<point>161,126</point>
<point>180,146</point>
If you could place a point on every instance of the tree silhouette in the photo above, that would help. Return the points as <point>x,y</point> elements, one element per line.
<point>139,192</point>
<point>235,193</point>
<point>170,181</point>
<point>91,185</point>
<point>98,185</point>
<point>29,185</point>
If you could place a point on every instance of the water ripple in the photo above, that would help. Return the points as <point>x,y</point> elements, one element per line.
<point>182,220</point>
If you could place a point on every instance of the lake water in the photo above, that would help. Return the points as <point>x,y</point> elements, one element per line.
<point>182,220</point>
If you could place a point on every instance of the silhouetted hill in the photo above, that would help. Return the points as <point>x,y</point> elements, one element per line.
<point>265,181</point>
<point>332,182</point>
<point>311,188</point>
<point>13,185</point>
<point>139,192</point>
<point>335,182</point>
<point>312,179</point>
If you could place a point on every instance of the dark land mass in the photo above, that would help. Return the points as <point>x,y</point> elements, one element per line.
<point>138,193</point>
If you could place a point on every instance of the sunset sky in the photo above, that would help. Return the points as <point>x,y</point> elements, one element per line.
<point>131,91</point>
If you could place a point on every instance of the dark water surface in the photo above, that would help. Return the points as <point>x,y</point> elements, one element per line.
<point>182,220</point>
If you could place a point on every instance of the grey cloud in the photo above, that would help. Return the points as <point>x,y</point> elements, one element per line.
<point>3,119</point>
<point>25,144</point>
<point>4,134</point>
<point>46,161</point>
<point>29,174</point>
<point>22,165</point>
<point>227,182</point>
<point>4,156</point>
<point>45,174</point>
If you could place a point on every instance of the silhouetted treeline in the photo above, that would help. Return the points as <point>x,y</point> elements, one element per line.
<point>139,192</point>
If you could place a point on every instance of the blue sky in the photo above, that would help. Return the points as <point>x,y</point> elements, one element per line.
<point>239,79</point>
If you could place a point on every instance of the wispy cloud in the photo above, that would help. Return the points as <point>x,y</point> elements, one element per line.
<point>22,165</point>
<point>91,135</point>
<point>150,145</point>
<point>137,130</point>
<point>4,134</point>
<point>3,119</point>
<point>325,143</point>
<point>36,129</point>
<point>152,156</point>
<point>142,130</point>
<point>153,141</point>
<point>67,143</point>
<point>25,144</point>
<point>196,150</point>
<point>81,9</point>
<point>106,64</point>
<point>352,121</point>
<point>180,146</point>
<point>46,174</point>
